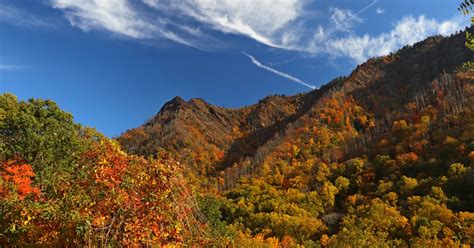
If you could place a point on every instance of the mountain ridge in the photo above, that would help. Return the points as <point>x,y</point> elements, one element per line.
<point>395,136</point>
<point>222,128</point>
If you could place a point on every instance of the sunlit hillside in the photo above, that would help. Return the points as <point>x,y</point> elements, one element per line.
<point>184,123</point>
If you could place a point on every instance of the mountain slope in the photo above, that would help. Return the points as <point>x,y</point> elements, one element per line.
<point>381,158</point>
<point>210,137</point>
<point>214,137</point>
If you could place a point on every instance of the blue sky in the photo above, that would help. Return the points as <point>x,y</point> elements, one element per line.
<point>114,63</point>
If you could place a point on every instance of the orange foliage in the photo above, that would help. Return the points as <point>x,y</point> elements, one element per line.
<point>19,176</point>
<point>287,242</point>
<point>471,156</point>
<point>324,240</point>
<point>407,158</point>
<point>220,155</point>
<point>131,190</point>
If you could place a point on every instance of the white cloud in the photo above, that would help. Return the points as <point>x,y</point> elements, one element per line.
<point>406,32</point>
<point>265,21</point>
<point>279,73</point>
<point>275,23</point>
<point>340,20</point>
<point>379,11</point>
<point>343,19</point>
<point>113,15</point>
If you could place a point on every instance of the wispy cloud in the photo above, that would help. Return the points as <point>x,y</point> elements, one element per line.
<point>279,73</point>
<point>266,21</point>
<point>20,17</point>
<point>407,31</point>
<point>340,20</point>
<point>278,24</point>
<point>113,15</point>
<point>343,19</point>
<point>6,67</point>
<point>187,21</point>
<point>379,10</point>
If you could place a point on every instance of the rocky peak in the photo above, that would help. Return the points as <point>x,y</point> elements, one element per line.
<point>379,85</point>
<point>173,105</point>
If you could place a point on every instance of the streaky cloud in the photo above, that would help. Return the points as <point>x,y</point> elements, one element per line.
<point>9,67</point>
<point>19,17</point>
<point>279,73</point>
<point>277,24</point>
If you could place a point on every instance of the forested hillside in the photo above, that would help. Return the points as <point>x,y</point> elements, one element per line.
<point>382,157</point>
<point>64,185</point>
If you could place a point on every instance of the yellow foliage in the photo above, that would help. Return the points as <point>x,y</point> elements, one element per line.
<point>425,120</point>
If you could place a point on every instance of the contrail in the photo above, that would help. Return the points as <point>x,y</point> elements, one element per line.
<point>366,8</point>
<point>279,73</point>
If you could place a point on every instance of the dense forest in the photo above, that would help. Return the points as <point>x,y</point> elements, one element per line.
<point>62,184</point>
<point>381,158</point>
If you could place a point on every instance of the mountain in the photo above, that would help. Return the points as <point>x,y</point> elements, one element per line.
<point>218,136</point>
<point>382,157</point>
<point>214,138</point>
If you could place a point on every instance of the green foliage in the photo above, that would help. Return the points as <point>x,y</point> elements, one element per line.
<point>64,185</point>
<point>466,67</point>
<point>334,178</point>
<point>457,169</point>
<point>210,207</point>
<point>370,198</point>
<point>376,224</point>
<point>273,213</point>
<point>470,41</point>
<point>466,8</point>
<point>39,133</point>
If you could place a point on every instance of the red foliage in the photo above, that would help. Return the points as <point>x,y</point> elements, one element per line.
<point>219,155</point>
<point>18,175</point>
<point>139,200</point>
